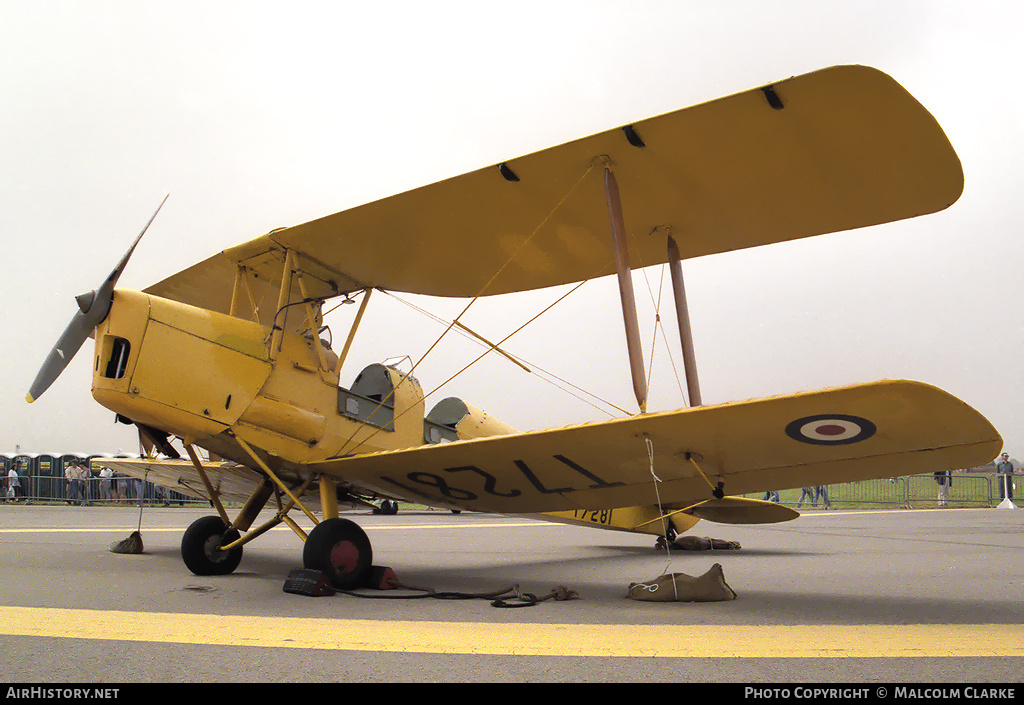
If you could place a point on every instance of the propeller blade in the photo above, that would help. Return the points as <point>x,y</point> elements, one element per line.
<point>111,281</point>
<point>70,341</point>
<point>94,308</point>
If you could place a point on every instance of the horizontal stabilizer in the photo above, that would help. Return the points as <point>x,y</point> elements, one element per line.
<point>741,510</point>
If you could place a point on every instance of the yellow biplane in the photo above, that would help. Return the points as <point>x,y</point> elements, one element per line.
<point>227,355</point>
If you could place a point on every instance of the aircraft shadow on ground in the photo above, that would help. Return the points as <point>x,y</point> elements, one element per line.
<point>606,577</point>
<point>600,560</point>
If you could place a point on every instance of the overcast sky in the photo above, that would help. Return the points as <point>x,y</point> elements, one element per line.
<point>255,115</point>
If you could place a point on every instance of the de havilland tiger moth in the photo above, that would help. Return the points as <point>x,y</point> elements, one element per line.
<point>227,354</point>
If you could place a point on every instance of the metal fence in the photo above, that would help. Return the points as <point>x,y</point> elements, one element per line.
<point>911,492</point>
<point>93,491</point>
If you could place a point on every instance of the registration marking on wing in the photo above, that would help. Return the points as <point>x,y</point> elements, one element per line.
<point>468,482</point>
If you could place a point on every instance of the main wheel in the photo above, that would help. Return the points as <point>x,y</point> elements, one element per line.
<point>200,547</point>
<point>339,548</point>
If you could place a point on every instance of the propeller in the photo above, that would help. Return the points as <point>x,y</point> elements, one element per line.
<point>93,308</point>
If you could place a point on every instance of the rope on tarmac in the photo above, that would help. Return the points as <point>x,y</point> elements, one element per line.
<point>511,596</point>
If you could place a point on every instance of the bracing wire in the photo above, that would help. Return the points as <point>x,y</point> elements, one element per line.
<point>544,374</point>
<point>659,325</point>
<point>483,289</point>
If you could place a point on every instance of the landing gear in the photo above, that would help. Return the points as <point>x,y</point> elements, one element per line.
<point>336,547</point>
<point>387,508</point>
<point>200,547</point>
<point>339,548</point>
<point>668,539</point>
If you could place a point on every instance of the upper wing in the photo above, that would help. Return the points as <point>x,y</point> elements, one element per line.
<point>836,149</point>
<point>867,431</point>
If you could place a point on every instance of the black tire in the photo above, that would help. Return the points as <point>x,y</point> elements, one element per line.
<point>200,547</point>
<point>341,550</point>
<point>387,508</point>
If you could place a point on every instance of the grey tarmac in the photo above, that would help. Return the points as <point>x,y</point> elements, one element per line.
<point>910,576</point>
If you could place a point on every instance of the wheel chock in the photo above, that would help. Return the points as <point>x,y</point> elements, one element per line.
<point>382,578</point>
<point>305,581</point>
<point>315,583</point>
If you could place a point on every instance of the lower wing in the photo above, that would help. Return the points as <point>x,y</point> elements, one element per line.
<point>675,459</point>
<point>838,435</point>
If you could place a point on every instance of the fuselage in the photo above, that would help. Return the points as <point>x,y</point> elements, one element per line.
<point>225,383</point>
<point>211,379</point>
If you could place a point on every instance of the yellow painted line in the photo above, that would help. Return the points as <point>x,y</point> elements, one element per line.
<point>518,639</point>
<point>871,512</point>
<point>404,527</point>
<point>145,530</point>
<point>69,530</point>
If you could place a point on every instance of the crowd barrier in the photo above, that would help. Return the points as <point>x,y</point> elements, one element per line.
<point>95,491</point>
<point>911,492</point>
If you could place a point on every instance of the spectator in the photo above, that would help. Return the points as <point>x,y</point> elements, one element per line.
<point>821,491</point>
<point>13,483</point>
<point>807,492</point>
<point>1004,472</point>
<point>945,480</point>
<point>106,483</point>
<point>74,477</point>
<point>86,478</point>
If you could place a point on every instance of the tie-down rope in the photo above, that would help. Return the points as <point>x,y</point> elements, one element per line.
<point>661,513</point>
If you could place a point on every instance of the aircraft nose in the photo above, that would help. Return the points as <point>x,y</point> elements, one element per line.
<point>82,323</point>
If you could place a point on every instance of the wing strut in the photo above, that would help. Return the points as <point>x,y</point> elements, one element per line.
<point>277,481</point>
<point>636,354</point>
<point>683,317</point>
<point>352,331</point>
<point>283,297</point>
<point>214,495</point>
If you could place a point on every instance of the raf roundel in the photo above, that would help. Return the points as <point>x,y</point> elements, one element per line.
<point>830,429</point>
